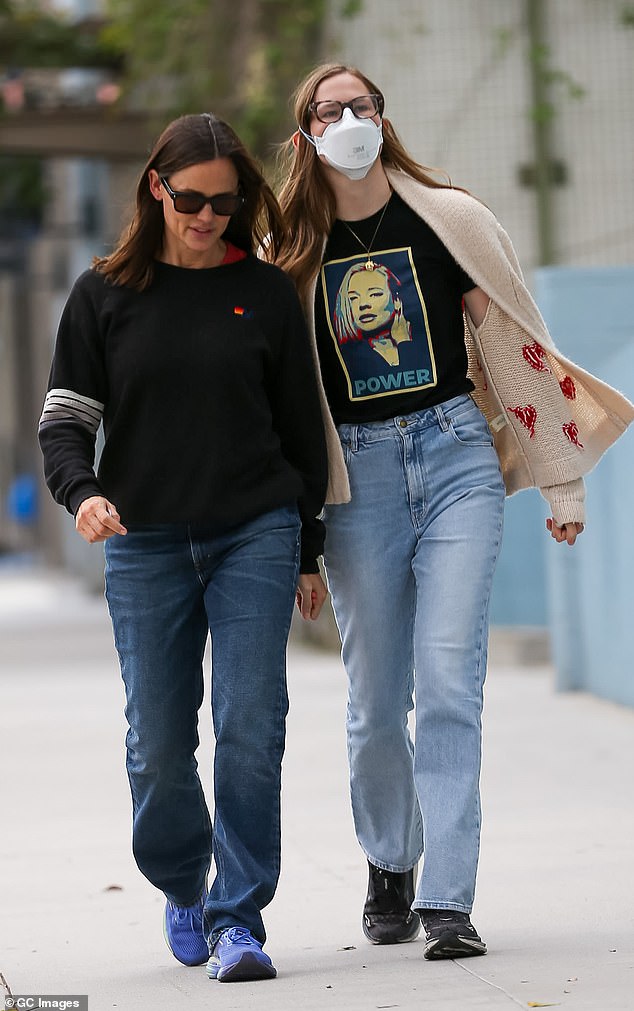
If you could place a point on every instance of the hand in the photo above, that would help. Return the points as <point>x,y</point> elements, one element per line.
<point>97,520</point>
<point>311,594</point>
<point>566,532</point>
<point>401,330</point>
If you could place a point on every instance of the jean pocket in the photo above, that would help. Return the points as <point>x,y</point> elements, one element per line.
<point>469,427</point>
<point>346,449</point>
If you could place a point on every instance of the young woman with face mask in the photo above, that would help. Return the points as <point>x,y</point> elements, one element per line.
<point>193,352</point>
<point>441,390</point>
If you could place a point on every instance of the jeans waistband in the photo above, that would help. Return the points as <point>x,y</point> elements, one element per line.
<point>376,431</point>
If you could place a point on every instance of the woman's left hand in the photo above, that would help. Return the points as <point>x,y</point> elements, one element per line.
<point>311,594</point>
<point>566,532</point>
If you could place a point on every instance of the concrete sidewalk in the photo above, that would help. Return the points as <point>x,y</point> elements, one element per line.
<point>556,876</point>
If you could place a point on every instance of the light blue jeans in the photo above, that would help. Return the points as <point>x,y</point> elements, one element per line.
<point>168,587</point>
<point>410,562</point>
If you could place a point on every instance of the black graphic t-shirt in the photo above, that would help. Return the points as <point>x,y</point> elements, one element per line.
<point>389,327</point>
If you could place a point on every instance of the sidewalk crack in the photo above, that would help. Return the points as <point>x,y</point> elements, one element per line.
<point>489,983</point>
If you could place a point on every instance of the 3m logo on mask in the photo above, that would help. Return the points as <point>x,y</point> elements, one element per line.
<point>350,145</point>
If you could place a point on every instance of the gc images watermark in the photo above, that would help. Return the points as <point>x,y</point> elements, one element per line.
<point>32,1001</point>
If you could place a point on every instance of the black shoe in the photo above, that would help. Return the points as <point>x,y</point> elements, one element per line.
<point>387,916</point>
<point>450,934</point>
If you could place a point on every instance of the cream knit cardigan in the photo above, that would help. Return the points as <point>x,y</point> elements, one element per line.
<point>551,421</point>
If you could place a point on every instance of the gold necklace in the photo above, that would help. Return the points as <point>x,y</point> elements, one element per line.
<point>369,264</point>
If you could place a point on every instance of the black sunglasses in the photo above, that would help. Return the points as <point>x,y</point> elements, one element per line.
<point>190,202</point>
<point>363,107</point>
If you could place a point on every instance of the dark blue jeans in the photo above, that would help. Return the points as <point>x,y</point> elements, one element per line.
<point>168,587</point>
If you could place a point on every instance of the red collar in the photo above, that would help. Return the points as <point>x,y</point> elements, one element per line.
<point>233,254</point>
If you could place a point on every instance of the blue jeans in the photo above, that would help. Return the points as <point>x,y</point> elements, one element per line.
<point>168,587</point>
<point>410,562</point>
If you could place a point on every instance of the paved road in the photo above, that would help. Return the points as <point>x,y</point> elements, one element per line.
<point>556,877</point>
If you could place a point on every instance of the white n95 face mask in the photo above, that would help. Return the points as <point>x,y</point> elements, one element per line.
<point>350,145</point>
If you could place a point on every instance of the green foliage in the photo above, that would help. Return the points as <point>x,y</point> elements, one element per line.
<point>503,40</point>
<point>23,193</point>
<point>239,59</point>
<point>30,37</point>
<point>545,111</point>
<point>351,8</point>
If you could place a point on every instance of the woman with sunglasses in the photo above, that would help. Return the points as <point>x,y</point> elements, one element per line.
<point>415,503</point>
<point>194,355</point>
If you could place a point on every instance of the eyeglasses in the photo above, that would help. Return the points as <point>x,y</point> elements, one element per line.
<point>191,202</point>
<point>363,107</point>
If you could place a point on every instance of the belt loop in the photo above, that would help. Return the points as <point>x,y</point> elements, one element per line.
<point>354,438</point>
<point>442,421</point>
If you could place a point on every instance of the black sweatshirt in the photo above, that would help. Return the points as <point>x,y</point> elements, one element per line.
<point>206,388</point>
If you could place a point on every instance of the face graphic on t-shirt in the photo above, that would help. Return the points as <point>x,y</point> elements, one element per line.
<point>370,299</point>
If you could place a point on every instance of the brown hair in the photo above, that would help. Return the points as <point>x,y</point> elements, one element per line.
<point>190,140</point>
<point>307,200</point>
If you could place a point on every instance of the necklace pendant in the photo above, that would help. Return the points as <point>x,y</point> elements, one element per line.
<point>369,263</point>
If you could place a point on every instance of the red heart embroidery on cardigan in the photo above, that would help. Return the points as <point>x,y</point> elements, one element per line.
<point>526,415</point>
<point>572,432</point>
<point>535,355</point>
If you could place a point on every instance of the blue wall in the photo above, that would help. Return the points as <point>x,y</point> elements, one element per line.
<point>588,312</point>
<point>519,587</point>
<point>591,586</point>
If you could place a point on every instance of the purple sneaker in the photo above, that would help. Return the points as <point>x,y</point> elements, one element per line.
<point>183,930</point>
<point>238,956</point>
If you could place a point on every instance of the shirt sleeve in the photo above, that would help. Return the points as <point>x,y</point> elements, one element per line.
<point>465,282</point>
<point>75,399</point>
<point>298,421</point>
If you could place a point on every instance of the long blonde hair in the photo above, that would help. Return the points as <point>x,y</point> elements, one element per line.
<point>306,198</point>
